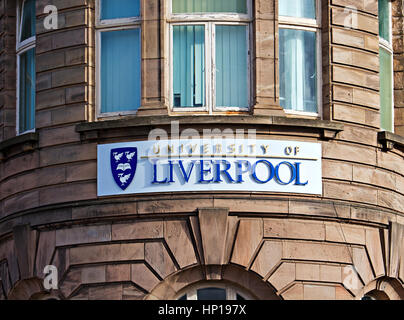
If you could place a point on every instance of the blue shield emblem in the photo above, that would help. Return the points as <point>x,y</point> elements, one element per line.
<point>123,166</point>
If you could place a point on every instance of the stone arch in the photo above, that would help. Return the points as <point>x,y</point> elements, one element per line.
<point>230,274</point>
<point>384,289</point>
<point>26,289</point>
<point>32,289</point>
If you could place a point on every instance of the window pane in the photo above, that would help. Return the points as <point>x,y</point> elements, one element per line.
<point>231,66</point>
<point>211,294</point>
<point>386,90</point>
<point>27,91</point>
<point>298,8</point>
<point>202,6</point>
<point>298,70</point>
<point>384,20</point>
<point>28,20</point>
<point>120,70</point>
<point>115,9</point>
<point>189,66</point>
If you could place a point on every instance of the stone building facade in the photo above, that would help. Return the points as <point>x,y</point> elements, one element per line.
<point>347,243</point>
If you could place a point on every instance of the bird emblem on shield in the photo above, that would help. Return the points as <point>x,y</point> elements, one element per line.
<point>123,166</point>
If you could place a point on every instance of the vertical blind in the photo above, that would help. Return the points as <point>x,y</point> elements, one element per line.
<point>27,91</point>
<point>120,70</point>
<point>28,20</point>
<point>386,90</point>
<point>298,70</point>
<point>231,66</point>
<point>189,66</point>
<point>115,9</point>
<point>298,8</point>
<point>202,6</point>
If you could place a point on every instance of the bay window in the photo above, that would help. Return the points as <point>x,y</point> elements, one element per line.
<point>118,57</point>
<point>386,66</point>
<point>300,56</point>
<point>210,55</point>
<point>25,48</point>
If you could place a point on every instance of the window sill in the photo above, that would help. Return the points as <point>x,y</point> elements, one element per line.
<point>390,141</point>
<point>18,144</point>
<point>94,130</point>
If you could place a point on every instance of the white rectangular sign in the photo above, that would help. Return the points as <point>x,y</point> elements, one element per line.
<point>209,165</point>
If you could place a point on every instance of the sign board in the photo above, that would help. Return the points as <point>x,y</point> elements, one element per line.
<point>209,165</point>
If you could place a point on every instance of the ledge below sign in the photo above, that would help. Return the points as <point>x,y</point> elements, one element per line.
<point>209,165</point>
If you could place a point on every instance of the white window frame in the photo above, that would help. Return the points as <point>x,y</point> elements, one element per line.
<point>388,46</point>
<point>313,25</point>
<point>209,20</point>
<point>21,48</point>
<point>231,291</point>
<point>105,26</point>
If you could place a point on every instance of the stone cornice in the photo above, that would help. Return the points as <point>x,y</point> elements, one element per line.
<point>327,129</point>
<point>18,144</point>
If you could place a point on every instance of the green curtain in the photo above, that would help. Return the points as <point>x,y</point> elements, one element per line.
<point>386,90</point>
<point>27,91</point>
<point>202,6</point>
<point>115,9</point>
<point>28,20</point>
<point>384,20</point>
<point>298,8</point>
<point>120,70</point>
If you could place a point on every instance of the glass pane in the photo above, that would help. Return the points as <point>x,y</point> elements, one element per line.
<point>384,20</point>
<point>28,20</point>
<point>203,6</point>
<point>386,90</point>
<point>211,294</point>
<point>298,8</point>
<point>120,70</point>
<point>27,91</point>
<point>298,70</point>
<point>189,66</point>
<point>115,9</point>
<point>231,66</point>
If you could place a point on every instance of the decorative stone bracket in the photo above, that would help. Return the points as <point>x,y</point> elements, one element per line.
<point>389,140</point>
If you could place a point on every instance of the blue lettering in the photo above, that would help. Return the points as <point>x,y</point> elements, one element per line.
<point>292,171</point>
<point>240,171</point>
<point>171,164</point>
<point>298,183</point>
<point>155,180</point>
<point>203,171</point>
<point>220,172</point>
<point>271,171</point>
<point>184,173</point>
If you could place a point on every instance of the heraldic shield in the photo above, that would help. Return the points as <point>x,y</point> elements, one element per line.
<point>123,166</point>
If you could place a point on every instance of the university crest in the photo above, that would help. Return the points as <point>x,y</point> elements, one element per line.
<point>123,166</point>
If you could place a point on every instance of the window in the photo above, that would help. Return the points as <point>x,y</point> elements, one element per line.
<point>25,48</point>
<point>118,57</point>
<point>215,292</point>
<point>210,55</point>
<point>300,56</point>
<point>386,66</point>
